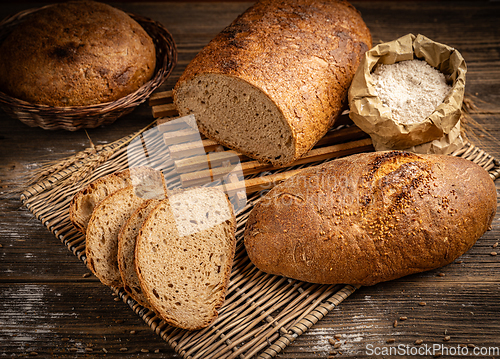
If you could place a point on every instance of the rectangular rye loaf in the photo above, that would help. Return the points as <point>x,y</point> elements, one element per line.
<point>274,81</point>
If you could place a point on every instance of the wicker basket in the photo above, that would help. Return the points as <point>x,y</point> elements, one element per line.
<point>78,117</point>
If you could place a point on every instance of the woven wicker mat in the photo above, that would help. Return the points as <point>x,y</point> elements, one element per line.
<point>262,313</point>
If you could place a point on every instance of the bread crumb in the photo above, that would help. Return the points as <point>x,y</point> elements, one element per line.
<point>411,89</point>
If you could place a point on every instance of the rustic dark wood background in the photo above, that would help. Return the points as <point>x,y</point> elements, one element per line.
<point>50,307</point>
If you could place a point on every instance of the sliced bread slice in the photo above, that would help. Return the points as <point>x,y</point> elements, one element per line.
<point>184,255</point>
<point>84,201</point>
<point>107,219</point>
<point>110,215</point>
<point>126,251</point>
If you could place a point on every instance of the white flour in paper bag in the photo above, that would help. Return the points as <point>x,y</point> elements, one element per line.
<point>412,89</point>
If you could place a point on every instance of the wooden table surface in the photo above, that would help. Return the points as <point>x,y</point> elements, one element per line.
<point>50,307</point>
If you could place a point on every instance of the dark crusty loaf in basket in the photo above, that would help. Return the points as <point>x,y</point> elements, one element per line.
<point>273,82</point>
<point>76,53</point>
<point>184,254</point>
<point>371,217</point>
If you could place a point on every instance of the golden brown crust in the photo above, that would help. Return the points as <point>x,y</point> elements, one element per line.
<point>371,217</point>
<point>75,54</point>
<point>301,54</point>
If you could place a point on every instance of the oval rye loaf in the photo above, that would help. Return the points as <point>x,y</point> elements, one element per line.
<point>274,81</point>
<point>371,217</point>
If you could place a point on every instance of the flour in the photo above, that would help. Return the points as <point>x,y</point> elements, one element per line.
<point>411,89</point>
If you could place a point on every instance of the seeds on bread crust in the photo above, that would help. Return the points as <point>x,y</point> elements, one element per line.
<point>371,217</point>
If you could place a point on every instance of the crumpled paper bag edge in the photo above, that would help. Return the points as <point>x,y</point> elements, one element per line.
<point>368,113</point>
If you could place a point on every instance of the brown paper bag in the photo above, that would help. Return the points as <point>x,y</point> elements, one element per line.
<point>368,113</point>
<point>444,145</point>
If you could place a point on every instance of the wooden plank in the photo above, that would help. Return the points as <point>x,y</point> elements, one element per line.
<point>258,183</point>
<point>202,162</point>
<point>185,135</point>
<point>366,320</point>
<point>342,135</point>
<point>91,324</point>
<point>169,124</point>
<point>197,175</point>
<point>182,150</point>
<point>166,110</point>
<point>161,98</point>
<point>188,149</point>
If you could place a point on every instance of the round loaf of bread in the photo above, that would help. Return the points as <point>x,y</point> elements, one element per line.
<point>77,53</point>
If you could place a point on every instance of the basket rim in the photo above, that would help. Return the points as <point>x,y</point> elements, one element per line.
<point>162,72</point>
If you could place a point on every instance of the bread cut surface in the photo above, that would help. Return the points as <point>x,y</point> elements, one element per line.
<point>76,53</point>
<point>84,201</point>
<point>145,179</point>
<point>273,82</point>
<point>110,215</point>
<point>126,251</point>
<point>371,217</point>
<point>184,254</point>
<point>101,246</point>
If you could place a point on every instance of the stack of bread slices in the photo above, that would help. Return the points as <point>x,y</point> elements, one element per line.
<point>171,253</point>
